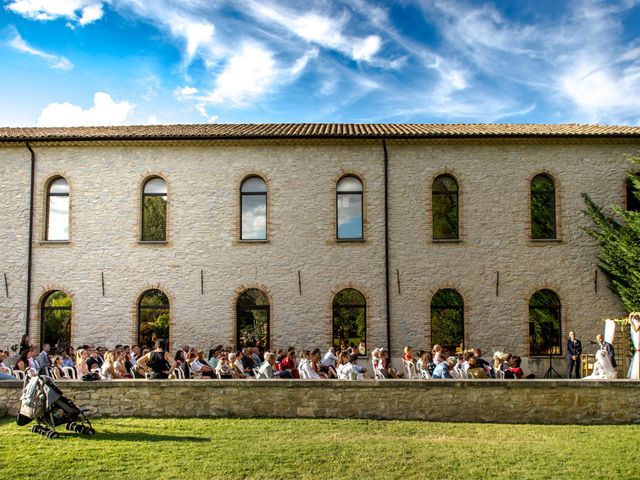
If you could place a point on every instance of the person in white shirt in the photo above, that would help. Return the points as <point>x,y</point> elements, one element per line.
<point>329,359</point>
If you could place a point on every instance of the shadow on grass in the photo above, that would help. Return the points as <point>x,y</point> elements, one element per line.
<point>130,437</point>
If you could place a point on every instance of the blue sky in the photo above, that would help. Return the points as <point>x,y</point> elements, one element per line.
<point>111,62</point>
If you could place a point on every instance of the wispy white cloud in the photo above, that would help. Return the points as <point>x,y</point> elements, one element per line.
<point>82,12</point>
<point>55,61</point>
<point>104,111</point>
<point>323,30</point>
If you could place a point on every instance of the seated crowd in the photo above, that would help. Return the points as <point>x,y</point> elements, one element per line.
<point>125,362</point>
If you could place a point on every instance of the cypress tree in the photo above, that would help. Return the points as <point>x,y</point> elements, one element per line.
<point>619,239</point>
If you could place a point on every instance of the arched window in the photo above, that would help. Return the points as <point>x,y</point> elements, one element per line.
<point>57,219</point>
<point>349,209</point>
<point>444,208</point>
<point>252,319</point>
<point>544,323</point>
<point>154,210</point>
<point>253,209</point>
<point>447,320</point>
<point>153,317</point>
<point>349,319</point>
<point>543,208</point>
<point>55,316</point>
<point>633,202</point>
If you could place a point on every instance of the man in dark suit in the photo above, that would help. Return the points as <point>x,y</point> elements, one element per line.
<point>574,350</point>
<point>602,345</point>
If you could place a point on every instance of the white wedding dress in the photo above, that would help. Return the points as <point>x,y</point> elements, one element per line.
<point>602,368</point>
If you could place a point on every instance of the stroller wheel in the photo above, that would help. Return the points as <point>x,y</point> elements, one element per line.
<point>51,434</point>
<point>70,426</point>
<point>88,431</point>
<point>36,429</point>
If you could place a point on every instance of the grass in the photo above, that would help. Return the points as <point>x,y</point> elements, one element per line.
<point>132,448</point>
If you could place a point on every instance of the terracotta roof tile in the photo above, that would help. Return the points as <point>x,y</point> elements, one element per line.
<point>314,130</point>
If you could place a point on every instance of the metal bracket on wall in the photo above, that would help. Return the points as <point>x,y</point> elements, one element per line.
<point>201,282</point>
<point>497,283</point>
<point>6,285</point>
<point>102,276</point>
<point>398,280</point>
<point>299,283</point>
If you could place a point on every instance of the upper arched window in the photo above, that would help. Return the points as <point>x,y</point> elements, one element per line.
<point>544,323</point>
<point>154,210</point>
<point>349,319</point>
<point>543,208</point>
<point>253,209</point>
<point>153,318</point>
<point>55,321</point>
<point>57,221</point>
<point>447,320</point>
<point>444,208</point>
<point>349,209</point>
<point>252,319</point>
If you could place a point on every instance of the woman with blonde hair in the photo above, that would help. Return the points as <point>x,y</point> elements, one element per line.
<point>108,370</point>
<point>82,368</point>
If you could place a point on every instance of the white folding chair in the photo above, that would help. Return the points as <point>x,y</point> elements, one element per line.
<point>256,372</point>
<point>499,374</point>
<point>179,373</point>
<point>69,372</point>
<point>410,369</point>
<point>377,372</point>
<point>424,374</point>
<point>6,370</point>
<point>19,374</point>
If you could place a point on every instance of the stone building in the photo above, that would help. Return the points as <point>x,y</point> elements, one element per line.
<point>307,234</point>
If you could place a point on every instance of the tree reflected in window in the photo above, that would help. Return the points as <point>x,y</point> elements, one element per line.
<point>544,323</point>
<point>447,320</point>
<point>252,316</point>
<point>543,208</point>
<point>349,319</point>
<point>154,210</point>
<point>444,208</point>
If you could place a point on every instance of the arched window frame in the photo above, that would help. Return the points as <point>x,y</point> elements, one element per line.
<point>335,307</point>
<point>552,195</point>
<point>264,194</point>
<point>165,306</point>
<point>48,205</point>
<point>454,195</point>
<point>144,196</point>
<point>341,194</point>
<point>264,308</point>
<point>43,315</point>
<point>557,309</point>
<point>460,307</point>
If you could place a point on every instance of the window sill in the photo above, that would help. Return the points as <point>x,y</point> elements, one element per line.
<point>350,240</point>
<point>545,240</point>
<point>153,242</point>
<point>55,242</point>
<point>252,241</point>
<point>446,240</point>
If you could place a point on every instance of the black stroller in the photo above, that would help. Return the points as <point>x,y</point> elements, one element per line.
<point>43,401</point>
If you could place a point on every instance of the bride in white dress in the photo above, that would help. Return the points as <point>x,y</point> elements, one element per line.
<point>602,368</point>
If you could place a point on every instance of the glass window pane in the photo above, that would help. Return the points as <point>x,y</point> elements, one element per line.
<point>544,323</point>
<point>155,185</point>
<point>153,318</point>
<point>349,184</point>
<point>445,216</point>
<point>543,215</point>
<point>59,185</point>
<point>58,218</point>
<point>350,215</point>
<point>447,320</point>
<point>633,203</point>
<point>349,319</point>
<point>56,321</point>
<point>542,184</point>
<point>154,218</point>
<point>254,217</point>
<point>254,185</point>
<point>445,183</point>
<point>252,297</point>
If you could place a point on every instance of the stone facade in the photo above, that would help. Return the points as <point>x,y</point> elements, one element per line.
<point>530,401</point>
<point>203,180</point>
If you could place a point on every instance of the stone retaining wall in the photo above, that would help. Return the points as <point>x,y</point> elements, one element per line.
<point>524,401</point>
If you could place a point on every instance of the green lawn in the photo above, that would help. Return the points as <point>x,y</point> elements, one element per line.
<point>132,448</point>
